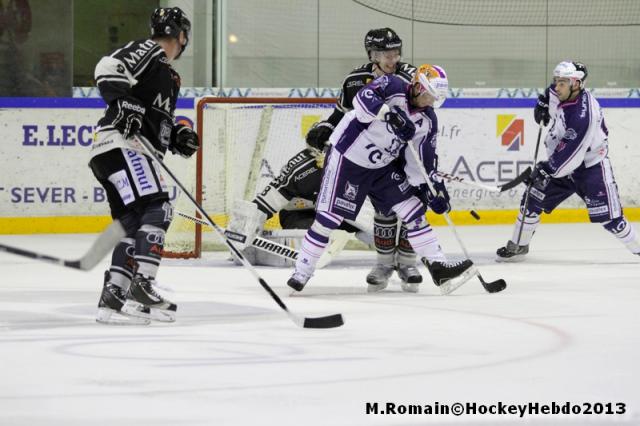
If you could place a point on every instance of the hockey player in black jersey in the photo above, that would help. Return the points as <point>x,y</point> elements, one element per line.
<point>394,252</point>
<point>140,89</point>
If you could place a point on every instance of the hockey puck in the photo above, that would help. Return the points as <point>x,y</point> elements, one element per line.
<point>475,215</point>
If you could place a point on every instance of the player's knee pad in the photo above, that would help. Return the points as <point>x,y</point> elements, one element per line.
<point>321,229</point>
<point>327,220</point>
<point>418,222</point>
<point>158,214</point>
<point>410,209</point>
<point>130,221</point>
<point>616,226</point>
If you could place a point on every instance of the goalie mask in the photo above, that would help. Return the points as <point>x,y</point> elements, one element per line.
<point>170,21</point>
<point>432,79</point>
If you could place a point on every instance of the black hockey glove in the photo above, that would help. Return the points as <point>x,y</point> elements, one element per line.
<point>318,135</point>
<point>184,141</point>
<point>130,113</point>
<point>540,176</point>
<point>400,124</point>
<point>439,202</point>
<point>541,111</point>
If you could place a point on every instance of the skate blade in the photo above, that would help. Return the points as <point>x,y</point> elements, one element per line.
<point>453,284</point>
<point>513,259</point>
<point>113,317</point>
<point>375,288</point>
<point>410,287</point>
<point>163,315</point>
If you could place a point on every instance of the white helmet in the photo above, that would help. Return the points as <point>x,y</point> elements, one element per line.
<point>433,80</point>
<point>571,70</point>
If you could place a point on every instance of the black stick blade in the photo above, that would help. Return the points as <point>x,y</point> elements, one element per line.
<point>494,286</point>
<point>517,181</point>
<point>330,321</point>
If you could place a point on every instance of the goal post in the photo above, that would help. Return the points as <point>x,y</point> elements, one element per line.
<point>244,144</point>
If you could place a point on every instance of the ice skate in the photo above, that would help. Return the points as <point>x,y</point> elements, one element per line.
<point>511,252</point>
<point>298,280</point>
<point>110,306</point>
<point>142,293</point>
<point>410,277</point>
<point>450,275</point>
<point>378,278</point>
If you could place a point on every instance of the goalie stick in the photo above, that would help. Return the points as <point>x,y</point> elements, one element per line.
<point>492,286</point>
<point>258,242</point>
<point>500,188</point>
<point>329,321</point>
<point>98,250</point>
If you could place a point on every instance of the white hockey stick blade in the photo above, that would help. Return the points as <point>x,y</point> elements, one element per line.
<point>452,285</point>
<point>258,242</point>
<point>339,239</point>
<point>100,248</point>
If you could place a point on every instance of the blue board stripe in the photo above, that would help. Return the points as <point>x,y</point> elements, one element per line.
<point>189,102</point>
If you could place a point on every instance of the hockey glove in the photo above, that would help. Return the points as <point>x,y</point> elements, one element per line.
<point>540,176</point>
<point>541,111</point>
<point>184,141</point>
<point>439,202</point>
<point>318,135</point>
<point>400,124</point>
<point>130,113</point>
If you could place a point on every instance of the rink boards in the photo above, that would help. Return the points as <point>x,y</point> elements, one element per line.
<point>47,186</point>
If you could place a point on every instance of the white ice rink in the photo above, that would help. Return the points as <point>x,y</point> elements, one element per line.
<point>566,329</point>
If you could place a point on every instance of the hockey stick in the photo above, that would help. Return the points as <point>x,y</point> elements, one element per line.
<point>492,286</point>
<point>99,249</point>
<point>329,321</point>
<point>258,242</point>
<point>500,188</point>
<point>528,191</point>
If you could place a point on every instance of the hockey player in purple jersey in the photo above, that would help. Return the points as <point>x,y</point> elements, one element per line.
<point>577,148</point>
<point>368,158</point>
<point>394,253</point>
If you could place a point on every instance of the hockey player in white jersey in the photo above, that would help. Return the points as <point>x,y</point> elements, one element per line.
<point>578,163</point>
<point>364,161</point>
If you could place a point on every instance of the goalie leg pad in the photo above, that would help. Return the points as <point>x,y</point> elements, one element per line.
<point>246,221</point>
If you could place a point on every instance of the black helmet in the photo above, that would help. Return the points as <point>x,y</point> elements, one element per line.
<point>382,39</point>
<point>170,21</point>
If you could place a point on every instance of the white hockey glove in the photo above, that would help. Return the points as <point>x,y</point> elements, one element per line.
<point>246,221</point>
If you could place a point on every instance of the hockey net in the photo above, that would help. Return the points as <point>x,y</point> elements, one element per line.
<point>244,144</point>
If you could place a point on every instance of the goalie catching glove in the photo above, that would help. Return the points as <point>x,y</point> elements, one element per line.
<point>400,124</point>
<point>184,141</point>
<point>438,202</point>
<point>318,135</point>
<point>131,112</point>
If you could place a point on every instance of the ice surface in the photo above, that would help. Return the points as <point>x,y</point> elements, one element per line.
<point>566,329</point>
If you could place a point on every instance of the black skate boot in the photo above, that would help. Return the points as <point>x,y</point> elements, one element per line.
<point>511,252</point>
<point>378,278</point>
<point>110,306</point>
<point>298,280</point>
<point>142,292</point>
<point>410,277</point>
<point>450,275</point>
